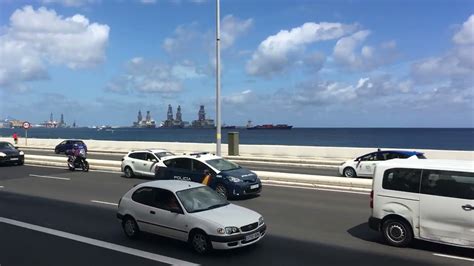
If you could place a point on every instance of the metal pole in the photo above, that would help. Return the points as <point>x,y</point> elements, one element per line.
<point>218,81</point>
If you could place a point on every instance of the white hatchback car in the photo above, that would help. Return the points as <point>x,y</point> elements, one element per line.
<point>365,165</point>
<point>190,212</point>
<point>143,162</point>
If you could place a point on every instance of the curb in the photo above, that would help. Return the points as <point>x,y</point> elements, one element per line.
<point>314,180</point>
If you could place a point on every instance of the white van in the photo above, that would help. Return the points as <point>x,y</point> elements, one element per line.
<point>431,200</point>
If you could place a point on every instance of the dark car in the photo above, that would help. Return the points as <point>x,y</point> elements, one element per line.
<point>225,177</point>
<point>67,145</point>
<point>9,154</point>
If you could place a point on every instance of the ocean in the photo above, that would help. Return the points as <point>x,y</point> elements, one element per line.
<point>410,138</point>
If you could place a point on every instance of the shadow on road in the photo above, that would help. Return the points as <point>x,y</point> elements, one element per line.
<point>363,232</point>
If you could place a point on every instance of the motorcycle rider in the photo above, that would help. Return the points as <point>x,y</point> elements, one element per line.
<point>77,154</point>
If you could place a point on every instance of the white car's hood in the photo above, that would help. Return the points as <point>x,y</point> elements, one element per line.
<point>229,215</point>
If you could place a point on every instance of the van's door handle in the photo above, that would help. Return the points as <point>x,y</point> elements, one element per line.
<point>152,212</point>
<point>467,207</point>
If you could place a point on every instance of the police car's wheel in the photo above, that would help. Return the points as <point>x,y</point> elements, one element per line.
<point>221,190</point>
<point>397,232</point>
<point>128,172</point>
<point>349,172</point>
<point>130,227</point>
<point>200,242</point>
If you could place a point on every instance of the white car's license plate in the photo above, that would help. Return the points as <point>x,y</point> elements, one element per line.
<point>254,186</point>
<point>13,159</point>
<point>252,236</point>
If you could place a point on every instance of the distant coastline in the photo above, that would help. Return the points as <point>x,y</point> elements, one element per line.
<point>412,138</point>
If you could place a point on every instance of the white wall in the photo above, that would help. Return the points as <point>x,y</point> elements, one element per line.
<point>245,150</point>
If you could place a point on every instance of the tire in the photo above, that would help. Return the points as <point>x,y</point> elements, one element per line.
<point>21,163</point>
<point>397,232</point>
<point>71,168</point>
<point>349,172</point>
<point>128,172</point>
<point>200,242</point>
<point>222,190</point>
<point>85,166</point>
<point>130,227</point>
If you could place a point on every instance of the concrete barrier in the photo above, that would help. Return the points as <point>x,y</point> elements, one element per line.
<point>269,151</point>
<point>348,183</point>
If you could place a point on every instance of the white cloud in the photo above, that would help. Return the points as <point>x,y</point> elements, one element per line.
<point>368,58</point>
<point>241,98</point>
<point>36,38</point>
<point>70,3</point>
<point>466,34</point>
<point>232,28</point>
<point>456,66</point>
<point>144,76</point>
<point>279,51</point>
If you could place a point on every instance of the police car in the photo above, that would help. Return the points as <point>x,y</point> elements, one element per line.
<point>365,165</point>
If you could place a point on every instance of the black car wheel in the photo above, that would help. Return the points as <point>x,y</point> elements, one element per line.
<point>200,242</point>
<point>220,188</point>
<point>349,172</point>
<point>130,227</point>
<point>397,232</point>
<point>128,172</point>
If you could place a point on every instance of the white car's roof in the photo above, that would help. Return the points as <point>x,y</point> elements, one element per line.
<point>150,150</point>
<point>171,185</point>
<point>435,164</point>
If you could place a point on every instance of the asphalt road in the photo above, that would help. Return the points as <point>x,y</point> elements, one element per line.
<point>305,227</point>
<point>249,165</point>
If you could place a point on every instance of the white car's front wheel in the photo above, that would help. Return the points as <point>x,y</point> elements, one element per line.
<point>200,242</point>
<point>349,172</point>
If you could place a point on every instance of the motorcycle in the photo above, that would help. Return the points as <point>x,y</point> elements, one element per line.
<point>78,162</point>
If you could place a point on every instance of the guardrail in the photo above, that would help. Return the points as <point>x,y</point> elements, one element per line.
<point>313,180</point>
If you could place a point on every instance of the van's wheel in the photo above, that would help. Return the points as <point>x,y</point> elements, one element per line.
<point>130,227</point>
<point>200,242</point>
<point>128,172</point>
<point>349,172</point>
<point>397,232</point>
<point>220,188</point>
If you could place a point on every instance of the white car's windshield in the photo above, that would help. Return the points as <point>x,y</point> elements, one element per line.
<point>200,199</point>
<point>163,154</point>
<point>223,165</point>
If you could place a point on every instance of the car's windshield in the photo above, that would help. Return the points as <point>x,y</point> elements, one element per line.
<point>200,199</point>
<point>421,156</point>
<point>223,165</point>
<point>163,154</point>
<point>6,145</point>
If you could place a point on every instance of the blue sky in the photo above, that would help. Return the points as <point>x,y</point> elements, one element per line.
<point>305,63</point>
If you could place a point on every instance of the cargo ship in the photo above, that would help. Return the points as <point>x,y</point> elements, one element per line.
<point>268,126</point>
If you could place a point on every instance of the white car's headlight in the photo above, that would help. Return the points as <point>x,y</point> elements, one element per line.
<point>231,230</point>
<point>260,220</point>
<point>22,153</point>
<point>2,154</point>
<point>234,179</point>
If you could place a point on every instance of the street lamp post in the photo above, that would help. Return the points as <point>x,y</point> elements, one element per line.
<point>218,81</point>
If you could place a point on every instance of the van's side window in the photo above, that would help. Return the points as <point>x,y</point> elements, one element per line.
<point>448,184</point>
<point>402,179</point>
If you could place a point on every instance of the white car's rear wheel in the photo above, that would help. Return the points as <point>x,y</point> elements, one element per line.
<point>128,172</point>
<point>130,227</point>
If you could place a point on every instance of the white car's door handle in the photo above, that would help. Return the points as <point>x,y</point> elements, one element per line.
<point>152,212</point>
<point>467,207</point>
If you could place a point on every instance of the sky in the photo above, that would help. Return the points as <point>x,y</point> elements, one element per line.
<point>393,63</point>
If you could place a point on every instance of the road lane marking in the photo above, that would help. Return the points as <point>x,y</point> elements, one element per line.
<point>104,202</point>
<point>98,243</point>
<point>1,187</point>
<point>51,177</point>
<point>313,187</point>
<point>57,167</point>
<point>452,257</point>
